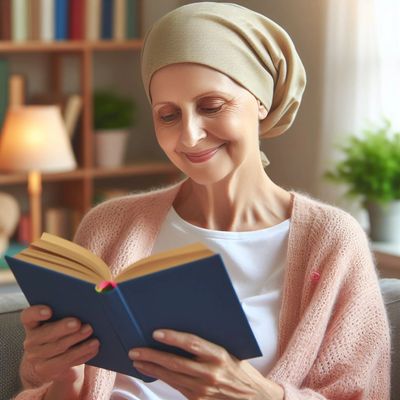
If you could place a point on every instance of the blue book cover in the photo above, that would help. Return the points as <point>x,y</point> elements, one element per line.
<point>106,19</point>
<point>61,19</point>
<point>195,297</point>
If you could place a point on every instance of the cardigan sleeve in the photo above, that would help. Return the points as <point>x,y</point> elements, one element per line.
<point>353,359</point>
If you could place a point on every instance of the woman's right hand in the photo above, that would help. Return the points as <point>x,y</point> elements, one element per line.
<point>56,350</point>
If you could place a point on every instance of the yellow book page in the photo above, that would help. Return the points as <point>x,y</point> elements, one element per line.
<point>68,249</point>
<point>59,268</point>
<point>39,256</point>
<point>165,260</point>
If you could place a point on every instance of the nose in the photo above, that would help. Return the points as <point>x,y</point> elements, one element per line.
<point>192,130</point>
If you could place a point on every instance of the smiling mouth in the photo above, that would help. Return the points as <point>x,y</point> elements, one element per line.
<point>202,156</point>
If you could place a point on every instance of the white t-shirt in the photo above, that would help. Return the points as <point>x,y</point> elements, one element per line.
<point>255,262</point>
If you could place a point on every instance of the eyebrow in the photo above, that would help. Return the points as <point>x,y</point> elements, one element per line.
<point>210,93</point>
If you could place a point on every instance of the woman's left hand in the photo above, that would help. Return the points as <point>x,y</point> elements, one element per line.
<point>212,374</point>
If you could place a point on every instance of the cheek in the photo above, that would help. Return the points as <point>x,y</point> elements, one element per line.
<point>167,141</point>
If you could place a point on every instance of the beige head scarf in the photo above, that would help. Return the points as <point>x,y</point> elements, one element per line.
<point>248,47</point>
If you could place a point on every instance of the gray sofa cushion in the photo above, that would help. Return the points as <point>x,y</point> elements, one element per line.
<point>391,293</point>
<point>11,339</point>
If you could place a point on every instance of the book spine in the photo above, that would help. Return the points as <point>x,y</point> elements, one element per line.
<point>5,20</point>
<point>132,31</point>
<point>57,221</point>
<point>33,16</point>
<point>24,229</point>
<point>118,313</point>
<point>119,20</point>
<point>61,19</point>
<point>72,111</point>
<point>4,76</point>
<point>47,20</point>
<point>76,19</point>
<point>93,19</point>
<point>19,24</point>
<point>107,19</point>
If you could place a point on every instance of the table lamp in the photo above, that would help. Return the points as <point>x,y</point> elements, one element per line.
<point>35,140</point>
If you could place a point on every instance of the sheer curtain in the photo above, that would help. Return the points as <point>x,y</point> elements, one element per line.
<point>361,80</point>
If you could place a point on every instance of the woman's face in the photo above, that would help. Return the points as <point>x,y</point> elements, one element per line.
<point>205,122</point>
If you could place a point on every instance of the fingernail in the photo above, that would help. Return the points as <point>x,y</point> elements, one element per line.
<point>86,329</point>
<point>158,335</point>
<point>134,354</point>
<point>72,324</point>
<point>94,343</point>
<point>44,312</point>
<point>138,364</point>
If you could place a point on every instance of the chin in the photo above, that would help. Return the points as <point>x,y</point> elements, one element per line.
<point>207,177</point>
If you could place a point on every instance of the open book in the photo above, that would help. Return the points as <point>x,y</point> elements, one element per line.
<point>187,289</point>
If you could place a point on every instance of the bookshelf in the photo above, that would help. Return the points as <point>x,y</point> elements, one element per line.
<point>76,189</point>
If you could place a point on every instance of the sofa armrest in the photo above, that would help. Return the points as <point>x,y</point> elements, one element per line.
<point>11,342</point>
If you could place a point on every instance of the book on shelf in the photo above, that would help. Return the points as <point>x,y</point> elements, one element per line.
<point>119,20</point>
<point>77,9</point>
<point>186,289</point>
<point>57,221</point>
<point>4,77</point>
<point>34,20</point>
<point>71,112</point>
<point>61,17</point>
<point>131,24</point>
<point>19,20</point>
<point>24,229</point>
<point>5,20</point>
<point>47,28</point>
<point>93,19</point>
<point>107,19</point>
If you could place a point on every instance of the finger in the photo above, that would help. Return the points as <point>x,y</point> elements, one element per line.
<point>60,346</point>
<point>171,362</point>
<point>51,332</point>
<point>193,344</point>
<point>77,355</point>
<point>31,317</point>
<point>181,382</point>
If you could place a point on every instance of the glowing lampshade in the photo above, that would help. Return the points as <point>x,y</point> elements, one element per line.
<point>34,138</point>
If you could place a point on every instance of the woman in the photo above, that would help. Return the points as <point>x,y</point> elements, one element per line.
<point>219,77</point>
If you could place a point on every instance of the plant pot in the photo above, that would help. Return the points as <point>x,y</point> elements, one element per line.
<point>110,146</point>
<point>384,221</point>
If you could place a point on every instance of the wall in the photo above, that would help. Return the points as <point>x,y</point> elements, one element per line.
<point>293,155</point>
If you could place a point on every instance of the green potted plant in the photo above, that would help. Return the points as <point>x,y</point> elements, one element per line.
<point>371,170</point>
<point>113,118</point>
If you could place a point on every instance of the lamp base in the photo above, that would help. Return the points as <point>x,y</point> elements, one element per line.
<point>35,193</point>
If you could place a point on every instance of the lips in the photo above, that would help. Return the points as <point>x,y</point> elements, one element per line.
<point>202,156</point>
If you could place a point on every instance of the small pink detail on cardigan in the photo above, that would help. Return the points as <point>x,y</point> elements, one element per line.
<point>315,276</point>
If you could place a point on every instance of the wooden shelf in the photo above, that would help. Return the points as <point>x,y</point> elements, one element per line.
<point>149,168</point>
<point>157,168</point>
<point>69,46</point>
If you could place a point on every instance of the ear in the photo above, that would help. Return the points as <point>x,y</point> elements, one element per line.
<point>262,111</point>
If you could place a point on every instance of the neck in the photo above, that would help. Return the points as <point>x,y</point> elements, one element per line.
<point>241,202</point>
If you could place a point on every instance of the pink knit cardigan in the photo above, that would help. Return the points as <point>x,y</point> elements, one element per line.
<point>334,338</point>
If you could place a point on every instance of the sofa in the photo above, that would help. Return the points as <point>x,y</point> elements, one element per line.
<point>12,336</point>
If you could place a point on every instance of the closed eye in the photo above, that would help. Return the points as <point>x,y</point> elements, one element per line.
<point>210,110</point>
<point>169,117</point>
